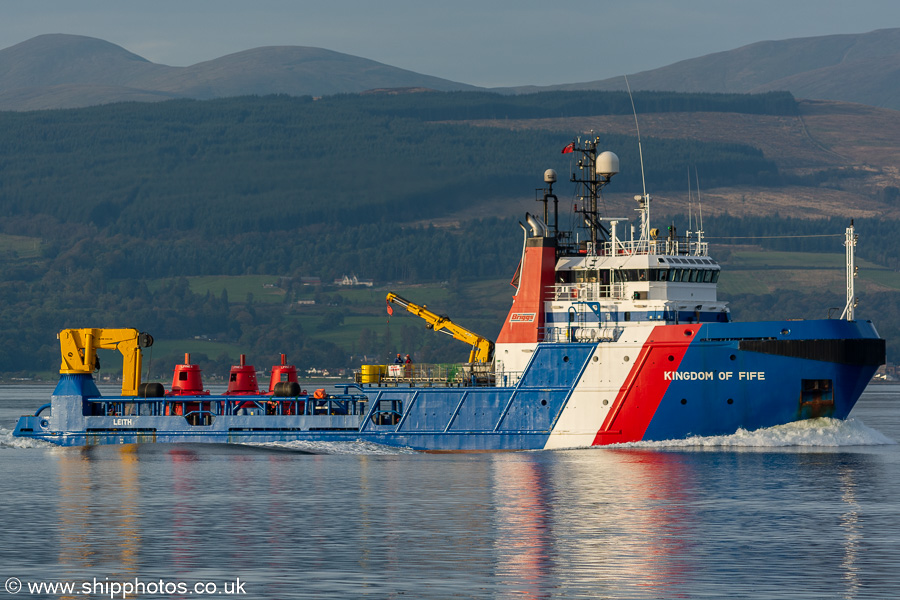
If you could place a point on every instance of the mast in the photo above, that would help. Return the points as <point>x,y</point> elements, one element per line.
<point>595,172</point>
<point>850,239</point>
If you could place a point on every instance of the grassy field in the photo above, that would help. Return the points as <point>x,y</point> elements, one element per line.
<point>366,309</point>
<point>193,346</point>
<point>794,260</point>
<point>20,246</point>
<point>239,287</point>
<point>760,272</point>
<point>742,282</point>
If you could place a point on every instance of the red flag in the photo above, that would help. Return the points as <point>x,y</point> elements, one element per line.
<point>569,148</point>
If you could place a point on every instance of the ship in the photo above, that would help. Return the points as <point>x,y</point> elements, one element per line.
<point>615,335</point>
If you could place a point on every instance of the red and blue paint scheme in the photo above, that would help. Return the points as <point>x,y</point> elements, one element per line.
<point>608,340</point>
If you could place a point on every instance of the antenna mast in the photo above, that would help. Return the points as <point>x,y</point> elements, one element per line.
<point>850,238</point>
<point>644,199</point>
<point>690,204</point>
<point>596,172</point>
<point>700,212</point>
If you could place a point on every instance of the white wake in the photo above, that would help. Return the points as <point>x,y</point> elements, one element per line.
<point>810,433</point>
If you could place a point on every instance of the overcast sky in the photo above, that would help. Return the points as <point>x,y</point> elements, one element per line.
<point>480,42</point>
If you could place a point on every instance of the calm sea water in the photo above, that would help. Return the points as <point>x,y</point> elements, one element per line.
<point>810,510</point>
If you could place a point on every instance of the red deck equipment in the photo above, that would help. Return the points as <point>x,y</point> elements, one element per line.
<point>284,374</point>
<point>187,380</point>
<point>242,380</point>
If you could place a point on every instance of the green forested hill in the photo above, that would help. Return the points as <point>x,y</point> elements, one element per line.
<point>278,163</point>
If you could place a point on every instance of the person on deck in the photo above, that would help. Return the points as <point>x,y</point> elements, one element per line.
<point>398,360</point>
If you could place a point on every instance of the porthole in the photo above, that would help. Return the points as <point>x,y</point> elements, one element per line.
<point>671,358</point>
<point>543,403</point>
<point>626,359</point>
<point>596,358</point>
<point>733,357</point>
<point>731,401</point>
<point>684,400</point>
<point>565,359</point>
<point>605,402</point>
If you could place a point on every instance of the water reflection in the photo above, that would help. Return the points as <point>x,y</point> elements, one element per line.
<point>629,520</point>
<point>185,511</point>
<point>852,532</point>
<point>608,523</point>
<point>523,526</point>
<point>613,522</point>
<point>97,512</point>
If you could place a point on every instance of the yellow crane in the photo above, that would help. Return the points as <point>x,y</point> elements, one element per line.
<point>482,348</point>
<point>79,352</point>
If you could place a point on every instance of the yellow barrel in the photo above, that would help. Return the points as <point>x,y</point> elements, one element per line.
<point>370,374</point>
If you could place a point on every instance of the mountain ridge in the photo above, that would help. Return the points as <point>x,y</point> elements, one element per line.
<point>70,71</point>
<point>862,68</point>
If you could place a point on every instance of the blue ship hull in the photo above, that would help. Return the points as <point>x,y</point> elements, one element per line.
<point>700,380</point>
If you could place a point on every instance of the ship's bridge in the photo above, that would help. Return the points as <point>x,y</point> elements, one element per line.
<point>632,283</point>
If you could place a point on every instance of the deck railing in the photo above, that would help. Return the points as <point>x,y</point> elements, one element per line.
<point>202,410</point>
<point>681,246</point>
<point>586,291</point>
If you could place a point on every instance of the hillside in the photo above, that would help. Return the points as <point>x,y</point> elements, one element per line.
<point>260,165</point>
<point>862,68</point>
<point>67,71</point>
<point>834,158</point>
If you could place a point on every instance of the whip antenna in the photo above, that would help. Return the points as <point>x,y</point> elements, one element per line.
<point>644,200</point>
<point>636,126</point>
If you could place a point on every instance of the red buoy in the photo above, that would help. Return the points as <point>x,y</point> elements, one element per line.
<point>242,380</point>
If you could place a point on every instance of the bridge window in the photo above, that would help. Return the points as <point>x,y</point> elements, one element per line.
<point>629,275</point>
<point>586,276</point>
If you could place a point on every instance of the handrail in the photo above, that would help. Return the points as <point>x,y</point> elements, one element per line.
<point>682,246</point>
<point>229,405</point>
<point>586,291</point>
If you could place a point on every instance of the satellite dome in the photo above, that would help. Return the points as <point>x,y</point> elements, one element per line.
<point>549,176</point>
<point>607,164</point>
